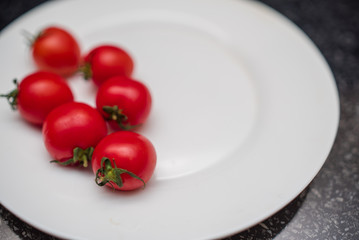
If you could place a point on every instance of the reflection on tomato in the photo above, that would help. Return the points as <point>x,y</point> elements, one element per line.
<point>124,160</point>
<point>56,50</point>
<point>71,132</point>
<point>125,102</point>
<point>38,94</point>
<point>106,61</point>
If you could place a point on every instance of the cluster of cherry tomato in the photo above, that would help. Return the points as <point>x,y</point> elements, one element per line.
<point>76,133</point>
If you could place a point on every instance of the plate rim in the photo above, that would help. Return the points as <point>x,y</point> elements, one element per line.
<point>263,6</point>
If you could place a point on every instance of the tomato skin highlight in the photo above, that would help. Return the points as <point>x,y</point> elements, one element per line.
<point>72,125</point>
<point>131,96</point>
<point>106,61</point>
<point>39,93</point>
<point>130,151</point>
<point>56,50</point>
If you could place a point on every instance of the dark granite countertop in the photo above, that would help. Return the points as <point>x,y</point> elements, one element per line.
<point>329,207</point>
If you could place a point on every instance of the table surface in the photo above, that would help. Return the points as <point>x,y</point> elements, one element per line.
<point>329,207</point>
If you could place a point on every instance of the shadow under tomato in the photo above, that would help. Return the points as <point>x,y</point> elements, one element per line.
<point>77,169</point>
<point>33,126</point>
<point>111,192</point>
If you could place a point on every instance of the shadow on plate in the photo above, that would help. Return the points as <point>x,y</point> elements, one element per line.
<point>267,229</point>
<point>271,227</point>
<point>21,229</point>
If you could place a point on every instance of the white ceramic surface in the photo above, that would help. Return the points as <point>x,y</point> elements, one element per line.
<point>245,113</point>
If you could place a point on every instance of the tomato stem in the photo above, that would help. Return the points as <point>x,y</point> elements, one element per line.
<point>85,69</point>
<point>31,38</point>
<point>12,96</point>
<point>116,114</point>
<point>79,156</point>
<point>112,174</point>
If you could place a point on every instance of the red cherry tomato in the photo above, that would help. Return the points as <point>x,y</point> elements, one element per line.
<point>124,160</point>
<point>125,102</point>
<point>39,93</point>
<point>71,131</point>
<point>56,50</point>
<point>106,61</point>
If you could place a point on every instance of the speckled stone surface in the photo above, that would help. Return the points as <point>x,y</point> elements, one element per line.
<point>329,207</point>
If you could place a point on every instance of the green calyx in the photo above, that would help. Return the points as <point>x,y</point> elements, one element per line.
<point>116,114</point>
<point>79,156</point>
<point>12,96</point>
<point>109,174</point>
<point>86,71</point>
<point>31,38</point>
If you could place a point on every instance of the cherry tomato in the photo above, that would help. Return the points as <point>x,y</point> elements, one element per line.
<point>56,50</point>
<point>124,160</point>
<point>39,93</point>
<point>125,102</point>
<point>71,131</point>
<point>106,61</point>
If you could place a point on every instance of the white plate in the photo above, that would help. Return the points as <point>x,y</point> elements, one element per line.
<point>245,113</point>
